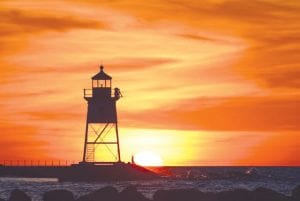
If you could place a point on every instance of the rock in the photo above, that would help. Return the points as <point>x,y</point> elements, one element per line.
<point>18,195</point>
<point>131,194</point>
<point>104,194</point>
<point>235,195</point>
<point>296,194</point>
<point>58,195</point>
<point>178,195</point>
<point>264,194</point>
<point>209,196</point>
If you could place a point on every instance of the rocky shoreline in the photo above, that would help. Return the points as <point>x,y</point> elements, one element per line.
<point>131,194</point>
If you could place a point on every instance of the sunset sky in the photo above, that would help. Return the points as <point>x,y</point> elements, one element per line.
<point>211,82</point>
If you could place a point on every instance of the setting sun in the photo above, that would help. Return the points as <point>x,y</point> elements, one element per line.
<point>148,158</point>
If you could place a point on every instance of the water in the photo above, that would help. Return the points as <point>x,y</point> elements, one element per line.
<point>206,179</point>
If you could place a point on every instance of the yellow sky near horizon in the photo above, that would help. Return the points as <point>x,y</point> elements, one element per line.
<point>214,82</point>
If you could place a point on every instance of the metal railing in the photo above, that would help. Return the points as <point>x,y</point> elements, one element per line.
<point>37,163</point>
<point>87,93</point>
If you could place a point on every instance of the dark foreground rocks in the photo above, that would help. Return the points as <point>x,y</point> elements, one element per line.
<point>107,193</point>
<point>131,194</point>
<point>176,195</point>
<point>259,194</point>
<point>296,194</point>
<point>18,195</point>
<point>58,195</point>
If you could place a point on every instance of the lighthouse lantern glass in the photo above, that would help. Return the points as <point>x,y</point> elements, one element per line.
<point>101,83</point>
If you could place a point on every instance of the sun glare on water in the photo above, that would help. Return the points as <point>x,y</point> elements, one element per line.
<point>148,158</point>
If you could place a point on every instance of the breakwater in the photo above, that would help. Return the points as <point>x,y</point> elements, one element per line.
<point>130,193</point>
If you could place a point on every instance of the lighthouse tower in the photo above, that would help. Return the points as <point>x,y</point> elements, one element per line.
<point>101,144</point>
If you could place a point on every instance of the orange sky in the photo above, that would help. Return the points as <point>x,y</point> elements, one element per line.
<point>212,82</point>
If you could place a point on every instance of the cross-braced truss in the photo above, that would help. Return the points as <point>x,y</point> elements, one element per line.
<point>97,137</point>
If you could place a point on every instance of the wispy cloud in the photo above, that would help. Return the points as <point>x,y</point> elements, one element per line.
<point>223,114</point>
<point>22,22</point>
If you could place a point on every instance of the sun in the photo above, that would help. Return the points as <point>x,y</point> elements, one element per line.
<point>148,158</point>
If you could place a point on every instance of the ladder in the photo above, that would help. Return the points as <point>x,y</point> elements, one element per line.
<point>90,153</point>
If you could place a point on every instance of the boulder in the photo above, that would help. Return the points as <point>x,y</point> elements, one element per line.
<point>104,194</point>
<point>178,195</point>
<point>58,195</point>
<point>131,194</point>
<point>235,195</point>
<point>18,195</point>
<point>296,194</point>
<point>265,194</point>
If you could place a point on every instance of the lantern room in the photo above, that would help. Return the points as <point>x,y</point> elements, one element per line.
<point>101,79</point>
<point>101,84</point>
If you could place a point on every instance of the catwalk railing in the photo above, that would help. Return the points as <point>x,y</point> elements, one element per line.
<point>37,163</point>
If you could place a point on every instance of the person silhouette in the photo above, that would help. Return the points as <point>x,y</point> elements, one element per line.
<point>118,93</point>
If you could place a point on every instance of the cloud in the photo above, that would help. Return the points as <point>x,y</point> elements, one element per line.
<point>114,65</point>
<point>58,115</point>
<point>222,114</point>
<point>131,64</point>
<point>271,29</point>
<point>18,21</point>
<point>280,148</point>
<point>272,66</point>
<point>26,145</point>
<point>256,11</point>
<point>287,78</point>
<point>195,37</point>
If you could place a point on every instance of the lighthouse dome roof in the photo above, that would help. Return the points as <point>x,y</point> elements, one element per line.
<point>101,75</point>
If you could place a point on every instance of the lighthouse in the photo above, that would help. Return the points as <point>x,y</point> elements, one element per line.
<point>101,152</point>
<point>101,142</point>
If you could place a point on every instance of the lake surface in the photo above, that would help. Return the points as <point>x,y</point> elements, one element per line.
<point>212,179</point>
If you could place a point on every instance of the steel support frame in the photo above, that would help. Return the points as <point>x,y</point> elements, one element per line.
<point>100,141</point>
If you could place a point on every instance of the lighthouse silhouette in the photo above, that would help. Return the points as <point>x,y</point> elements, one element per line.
<point>101,144</point>
<point>101,154</point>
